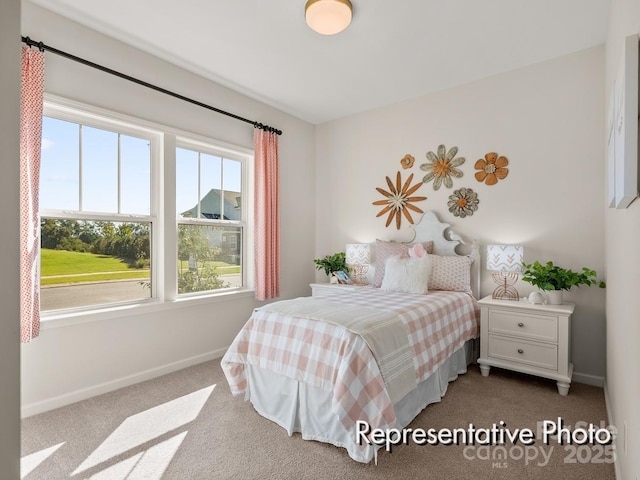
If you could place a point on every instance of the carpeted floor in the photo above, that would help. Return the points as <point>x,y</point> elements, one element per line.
<point>186,425</point>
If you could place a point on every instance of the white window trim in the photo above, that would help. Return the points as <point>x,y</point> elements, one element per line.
<point>196,144</point>
<point>163,212</point>
<point>88,116</point>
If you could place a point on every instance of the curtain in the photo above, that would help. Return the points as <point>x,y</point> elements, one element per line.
<point>267,215</point>
<point>30,144</point>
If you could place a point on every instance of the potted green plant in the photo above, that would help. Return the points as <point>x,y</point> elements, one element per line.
<point>554,279</point>
<point>332,263</point>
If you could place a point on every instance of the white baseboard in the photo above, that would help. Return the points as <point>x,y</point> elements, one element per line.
<point>612,421</point>
<point>594,380</point>
<point>99,389</point>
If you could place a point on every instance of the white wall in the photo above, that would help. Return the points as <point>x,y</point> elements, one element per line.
<point>9,194</point>
<point>622,259</point>
<point>547,119</point>
<point>71,362</point>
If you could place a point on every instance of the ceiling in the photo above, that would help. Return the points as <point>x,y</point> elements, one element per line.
<point>392,51</point>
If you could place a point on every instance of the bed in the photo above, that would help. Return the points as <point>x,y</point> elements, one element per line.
<point>318,365</point>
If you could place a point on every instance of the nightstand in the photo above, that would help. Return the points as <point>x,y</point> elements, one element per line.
<point>528,338</point>
<point>320,288</point>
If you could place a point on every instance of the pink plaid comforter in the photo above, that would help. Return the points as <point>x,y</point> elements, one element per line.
<point>334,359</point>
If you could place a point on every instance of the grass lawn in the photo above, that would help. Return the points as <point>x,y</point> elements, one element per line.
<point>221,267</point>
<point>61,266</point>
<point>74,267</point>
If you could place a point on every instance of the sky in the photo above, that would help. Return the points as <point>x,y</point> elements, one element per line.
<point>60,171</point>
<point>210,177</point>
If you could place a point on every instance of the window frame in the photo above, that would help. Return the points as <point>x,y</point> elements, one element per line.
<point>118,126</point>
<point>195,145</point>
<point>162,217</point>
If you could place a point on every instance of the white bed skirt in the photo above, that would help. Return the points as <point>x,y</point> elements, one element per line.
<point>298,407</point>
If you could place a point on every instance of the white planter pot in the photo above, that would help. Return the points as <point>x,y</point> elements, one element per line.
<point>554,297</point>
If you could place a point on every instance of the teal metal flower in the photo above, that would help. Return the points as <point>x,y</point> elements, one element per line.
<point>442,167</point>
<point>463,202</point>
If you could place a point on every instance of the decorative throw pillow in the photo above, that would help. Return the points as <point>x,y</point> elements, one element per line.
<point>450,272</point>
<point>386,249</point>
<point>417,251</point>
<point>408,275</point>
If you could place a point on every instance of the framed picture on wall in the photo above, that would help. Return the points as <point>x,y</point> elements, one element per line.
<point>622,147</point>
<point>611,149</point>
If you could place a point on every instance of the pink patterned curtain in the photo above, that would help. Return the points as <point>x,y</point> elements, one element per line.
<point>267,215</point>
<point>30,144</point>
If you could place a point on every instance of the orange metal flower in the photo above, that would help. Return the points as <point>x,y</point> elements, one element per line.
<point>492,168</point>
<point>398,200</point>
<point>407,161</point>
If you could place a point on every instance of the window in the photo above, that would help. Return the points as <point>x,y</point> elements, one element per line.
<point>107,228</point>
<point>211,218</point>
<point>96,222</point>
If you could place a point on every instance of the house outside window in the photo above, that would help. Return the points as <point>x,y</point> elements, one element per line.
<point>211,219</point>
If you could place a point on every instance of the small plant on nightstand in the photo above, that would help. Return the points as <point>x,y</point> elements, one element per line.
<point>550,277</point>
<point>332,263</point>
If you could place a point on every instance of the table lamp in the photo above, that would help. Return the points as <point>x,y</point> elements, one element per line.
<point>505,263</point>
<point>358,258</point>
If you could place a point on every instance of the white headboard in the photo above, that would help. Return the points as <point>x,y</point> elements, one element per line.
<point>446,242</point>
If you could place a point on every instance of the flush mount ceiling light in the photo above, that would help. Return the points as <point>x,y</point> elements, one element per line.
<point>328,17</point>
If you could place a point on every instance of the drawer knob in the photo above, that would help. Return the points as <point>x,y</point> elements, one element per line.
<point>520,350</point>
<point>520,324</point>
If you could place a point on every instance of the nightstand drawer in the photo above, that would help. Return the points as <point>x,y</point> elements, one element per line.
<point>536,354</point>
<point>524,325</point>
<point>521,336</point>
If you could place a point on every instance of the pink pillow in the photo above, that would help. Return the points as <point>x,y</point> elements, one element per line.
<point>450,272</point>
<point>386,249</point>
<point>417,251</point>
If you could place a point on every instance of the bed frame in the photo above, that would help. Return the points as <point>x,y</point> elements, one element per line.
<point>298,407</point>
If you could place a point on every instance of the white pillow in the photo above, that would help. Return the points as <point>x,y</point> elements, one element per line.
<point>386,249</point>
<point>408,275</point>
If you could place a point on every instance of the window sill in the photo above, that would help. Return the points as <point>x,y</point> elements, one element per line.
<point>66,319</point>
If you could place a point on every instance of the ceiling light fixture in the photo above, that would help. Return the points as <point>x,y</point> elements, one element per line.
<point>328,17</point>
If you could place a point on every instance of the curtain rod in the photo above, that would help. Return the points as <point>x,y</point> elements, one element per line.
<point>44,47</point>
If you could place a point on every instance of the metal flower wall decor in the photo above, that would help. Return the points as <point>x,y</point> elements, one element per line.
<point>463,202</point>
<point>492,168</point>
<point>407,161</point>
<point>442,166</point>
<point>398,200</point>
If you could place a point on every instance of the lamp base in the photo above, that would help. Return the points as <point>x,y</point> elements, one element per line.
<point>505,289</point>
<point>359,273</point>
